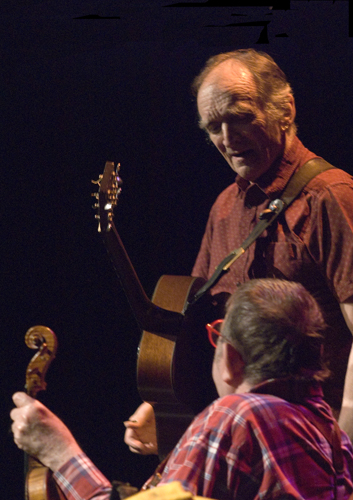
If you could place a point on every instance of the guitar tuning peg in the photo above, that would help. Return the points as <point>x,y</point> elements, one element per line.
<point>100,177</point>
<point>97,216</point>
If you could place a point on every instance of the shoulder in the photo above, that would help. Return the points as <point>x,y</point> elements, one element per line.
<point>241,409</point>
<point>330,192</point>
<point>333,179</point>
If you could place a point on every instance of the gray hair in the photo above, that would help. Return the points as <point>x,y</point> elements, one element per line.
<point>277,327</point>
<point>272,86</point>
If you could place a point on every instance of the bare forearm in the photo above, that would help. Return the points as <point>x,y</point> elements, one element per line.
<point>346,414</point>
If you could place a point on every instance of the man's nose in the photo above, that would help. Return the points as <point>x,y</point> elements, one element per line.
<point>230,135</point>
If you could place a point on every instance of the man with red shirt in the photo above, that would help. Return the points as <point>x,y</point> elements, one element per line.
<point>270,434</point>
<point>246,107</point>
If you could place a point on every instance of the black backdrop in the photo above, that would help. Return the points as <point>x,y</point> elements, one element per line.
<point>88,81</point>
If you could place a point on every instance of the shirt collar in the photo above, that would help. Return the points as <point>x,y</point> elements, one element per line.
<point>294,390</point>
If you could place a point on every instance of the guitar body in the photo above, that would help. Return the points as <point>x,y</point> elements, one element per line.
<point>174,371</point>
<point>156,371</point>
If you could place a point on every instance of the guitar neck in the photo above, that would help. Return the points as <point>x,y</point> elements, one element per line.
<point>149,316</point>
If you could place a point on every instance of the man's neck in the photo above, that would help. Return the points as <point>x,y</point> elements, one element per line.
<point>245,386</point>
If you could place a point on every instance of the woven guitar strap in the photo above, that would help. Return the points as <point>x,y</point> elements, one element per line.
<point>296,184</point>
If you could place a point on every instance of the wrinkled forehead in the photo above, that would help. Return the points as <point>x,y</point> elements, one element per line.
<point>230,80</point>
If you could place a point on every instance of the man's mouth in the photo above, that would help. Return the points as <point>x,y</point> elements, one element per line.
<point>241,154</point>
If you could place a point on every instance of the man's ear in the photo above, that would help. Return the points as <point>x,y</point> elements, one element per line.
<point>233,366</point>
<point>290,112</point>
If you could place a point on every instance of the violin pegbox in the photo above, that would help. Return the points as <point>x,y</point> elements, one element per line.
<point>107,197</point>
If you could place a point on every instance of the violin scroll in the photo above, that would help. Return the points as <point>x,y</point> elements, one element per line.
<point>44,340</point>
<point>39,484</point>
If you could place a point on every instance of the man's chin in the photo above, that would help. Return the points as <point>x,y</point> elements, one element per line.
<point>249,170</point>
<point>246,172</point>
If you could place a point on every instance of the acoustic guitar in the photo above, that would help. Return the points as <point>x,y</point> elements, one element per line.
<point>174,357</point>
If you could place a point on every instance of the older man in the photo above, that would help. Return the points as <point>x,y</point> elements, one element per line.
<point>246,107</point>
<point>269,435</point>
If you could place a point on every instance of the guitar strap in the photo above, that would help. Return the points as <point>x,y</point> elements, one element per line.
<point>296,184</point>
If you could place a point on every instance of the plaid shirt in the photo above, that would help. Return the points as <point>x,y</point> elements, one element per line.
<point>243,446</point>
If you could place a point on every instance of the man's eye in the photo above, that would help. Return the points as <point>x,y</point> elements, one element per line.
<point>213,128</point>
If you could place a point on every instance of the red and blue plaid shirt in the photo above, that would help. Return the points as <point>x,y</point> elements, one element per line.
<point>243,446</point>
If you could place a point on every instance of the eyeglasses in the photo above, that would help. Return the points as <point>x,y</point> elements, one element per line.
<point>213,331</point>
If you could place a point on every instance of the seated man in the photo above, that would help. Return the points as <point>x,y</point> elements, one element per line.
<point>269,435</point>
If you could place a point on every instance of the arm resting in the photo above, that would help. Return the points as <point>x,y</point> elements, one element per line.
<point>346,414</point>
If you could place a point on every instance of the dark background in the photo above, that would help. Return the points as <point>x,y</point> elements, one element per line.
<point>79,91</point>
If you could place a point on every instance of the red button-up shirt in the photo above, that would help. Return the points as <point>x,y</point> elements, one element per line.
<point>312,243</point>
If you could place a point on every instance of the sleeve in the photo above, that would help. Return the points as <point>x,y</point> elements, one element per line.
<point>203,460</point>
<point>331,241</point>
<point>186,466</point>
<point>79,479</point>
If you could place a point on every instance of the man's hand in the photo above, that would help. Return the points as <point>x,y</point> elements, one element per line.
<point>140,434</point>
<point>40,433</point>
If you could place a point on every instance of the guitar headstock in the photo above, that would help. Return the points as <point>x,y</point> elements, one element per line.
<point>107,197</point>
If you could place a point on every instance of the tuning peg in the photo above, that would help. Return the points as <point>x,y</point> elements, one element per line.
<point>99,179</point>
